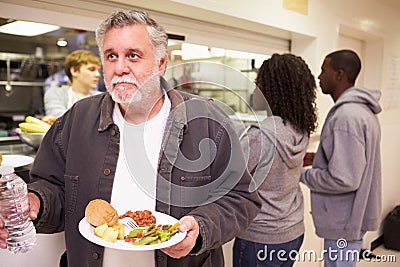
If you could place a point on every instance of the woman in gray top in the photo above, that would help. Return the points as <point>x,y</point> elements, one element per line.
<point>275,150</point>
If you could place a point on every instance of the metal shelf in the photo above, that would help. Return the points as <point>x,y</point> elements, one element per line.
<point>18,83</point>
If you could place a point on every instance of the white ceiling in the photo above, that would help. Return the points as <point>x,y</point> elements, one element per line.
<point>21,44</point>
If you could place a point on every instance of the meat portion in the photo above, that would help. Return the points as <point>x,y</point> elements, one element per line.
<point>141,217</point>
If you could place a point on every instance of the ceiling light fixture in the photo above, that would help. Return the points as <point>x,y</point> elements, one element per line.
<point>171,43</point>
<point>27,28</point>
<point>177,52</point>
<point>62,42</point>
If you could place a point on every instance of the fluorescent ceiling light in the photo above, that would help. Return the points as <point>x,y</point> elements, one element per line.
<point>171,43</point>
<point>177,52</point>
<point>27,28</point>
<point>62,42</point>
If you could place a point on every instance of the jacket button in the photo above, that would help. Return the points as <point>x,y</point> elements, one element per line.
<point>95,255</point>
<point>113,132</point>
<point>183,178</point>
<point>107,171</point>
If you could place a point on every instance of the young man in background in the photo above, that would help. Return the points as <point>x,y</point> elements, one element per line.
<point>345,178</point>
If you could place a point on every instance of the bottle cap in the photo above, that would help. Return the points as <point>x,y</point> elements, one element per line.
<point>6,169</point>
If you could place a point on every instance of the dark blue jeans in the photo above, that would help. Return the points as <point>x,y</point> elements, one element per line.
<point>252,254</point>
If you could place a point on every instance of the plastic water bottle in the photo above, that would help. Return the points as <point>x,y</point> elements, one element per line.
<point>14,209</point>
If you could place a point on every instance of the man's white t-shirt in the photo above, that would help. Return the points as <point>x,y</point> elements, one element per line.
<point>134,185</point>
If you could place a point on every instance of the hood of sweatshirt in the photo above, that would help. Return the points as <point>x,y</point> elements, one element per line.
<point>370,98</point>
<point>291,144</point>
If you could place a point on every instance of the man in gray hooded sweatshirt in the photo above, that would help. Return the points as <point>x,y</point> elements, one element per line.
<point>345,178</point>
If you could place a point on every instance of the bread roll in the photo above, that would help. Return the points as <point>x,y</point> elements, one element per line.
<point>99,211</point>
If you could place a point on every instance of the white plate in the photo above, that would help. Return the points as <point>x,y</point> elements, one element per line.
<point>86,229</point>
<point>16,160</point>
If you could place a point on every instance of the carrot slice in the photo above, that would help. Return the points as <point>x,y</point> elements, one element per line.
<point>173,227</point>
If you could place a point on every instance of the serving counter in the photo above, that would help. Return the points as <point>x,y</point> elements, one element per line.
<point>49,248</point>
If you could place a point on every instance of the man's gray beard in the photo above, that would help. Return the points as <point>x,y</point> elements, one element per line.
<point>134,98</point>
<point>145,96</point>
<point>123,100</point>
<point>143,93</point>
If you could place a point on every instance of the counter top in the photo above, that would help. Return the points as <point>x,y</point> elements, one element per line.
<point>17,149</point>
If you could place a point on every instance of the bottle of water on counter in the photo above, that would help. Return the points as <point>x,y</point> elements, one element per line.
<point>14,209</point>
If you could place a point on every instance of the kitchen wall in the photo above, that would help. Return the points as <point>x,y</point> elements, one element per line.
<point>312,36</point>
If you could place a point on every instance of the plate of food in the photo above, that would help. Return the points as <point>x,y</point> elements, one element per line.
<point>102,226</point>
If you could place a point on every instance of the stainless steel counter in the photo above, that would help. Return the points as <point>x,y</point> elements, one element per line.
<point>17,149</point>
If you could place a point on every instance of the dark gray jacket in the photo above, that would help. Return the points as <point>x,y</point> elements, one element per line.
<point>77,159</point>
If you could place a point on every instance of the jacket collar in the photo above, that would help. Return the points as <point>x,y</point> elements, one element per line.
<point>178,107</point>
<point>106,111</point>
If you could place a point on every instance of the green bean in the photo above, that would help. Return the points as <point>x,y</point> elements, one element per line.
<point>145,240</point>
<point>135,231</point>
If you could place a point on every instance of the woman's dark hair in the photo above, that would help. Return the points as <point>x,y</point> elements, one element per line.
<point>290,90</point>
